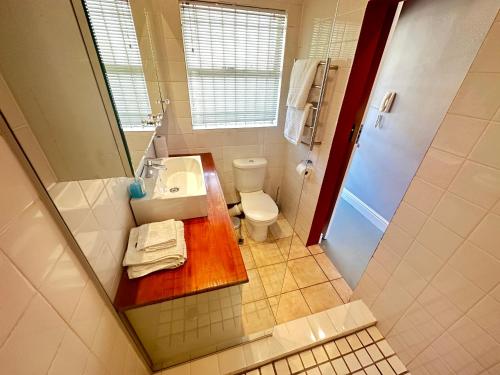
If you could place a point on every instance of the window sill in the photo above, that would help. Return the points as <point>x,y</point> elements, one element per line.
<point>234,127</point>
<point>139,129</point>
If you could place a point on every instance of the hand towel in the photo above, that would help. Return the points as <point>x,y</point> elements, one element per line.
<point>294,123</point>
<point>173,254</point>
<point>301,80</point>
<point>156,236</point>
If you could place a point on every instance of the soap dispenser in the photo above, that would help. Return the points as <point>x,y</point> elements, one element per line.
<point>137,189</point>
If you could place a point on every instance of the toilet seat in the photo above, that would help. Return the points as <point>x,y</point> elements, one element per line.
<point>259,207</point>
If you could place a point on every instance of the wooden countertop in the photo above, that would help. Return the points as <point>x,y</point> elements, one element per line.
<point>214,258</point>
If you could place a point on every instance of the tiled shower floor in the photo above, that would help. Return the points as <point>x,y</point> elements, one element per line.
<point>365,352</point>
<point>280,291</point>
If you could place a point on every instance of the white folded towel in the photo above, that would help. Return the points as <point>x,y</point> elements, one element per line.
<point>156,236</point>
<point>294,123</point>
<point>139,271</point>
<point>301,80</point>
<point>175,254</point>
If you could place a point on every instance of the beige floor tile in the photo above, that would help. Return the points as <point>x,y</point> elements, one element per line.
<point>307,358</point>
<point>342,289</point>
<point>297,249</point>
<point>272,278</point>
<point>321,297</point>
<point>289,283</point>
<point>306,272</point>
<point>246,253</point>
<point>276,279</point>
<point>266,254</point>
<point>315,249</point>
<point>281,367</point>
<point>281,229</point>
<point>257,316</point>
<point>327,266</point>
<point>273,302</point>
<point>284,245</point>
<point>254,289</point>
<point>291,306</point>
<point>295,363</point>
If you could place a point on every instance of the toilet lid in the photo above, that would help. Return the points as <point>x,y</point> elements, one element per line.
<point>259,206</point>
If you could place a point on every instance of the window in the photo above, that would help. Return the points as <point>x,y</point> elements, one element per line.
<point>114,34</point>
<point>234,59</point>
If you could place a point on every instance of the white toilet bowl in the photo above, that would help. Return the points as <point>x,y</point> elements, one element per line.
<point>260,212</point>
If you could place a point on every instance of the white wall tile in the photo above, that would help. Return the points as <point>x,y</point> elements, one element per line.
<point>17,185</point>
<point>32,244</point>
<point>477,97</point>
<point>457,250</point>
<point>487,235</point>
<point>65,284</point>
<point>478,184</point>
<point>71,357</point>
<point>16,294</point>
<point>439,239</point>
<point>477,266</point>
<point>457,214</point>
<point>87,314</point>
<point>475,341</point>
<point>439,306</point>
<point>439,167</point>
<point>485,314</point>
<point>423,261</point>
<point>458,134</point>
<point>423,195</point>
<point>486,150</point>
<point>409,218</point>
<point>50,311</point>
<point>37,335</point>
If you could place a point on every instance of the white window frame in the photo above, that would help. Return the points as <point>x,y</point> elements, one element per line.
<point>219,78</point>
<point>114,34</point>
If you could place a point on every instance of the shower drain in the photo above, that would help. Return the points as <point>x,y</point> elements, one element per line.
<point>174,189</point>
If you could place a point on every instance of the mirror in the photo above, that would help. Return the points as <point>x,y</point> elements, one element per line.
<point>121,36</point>
<point>70,123</point>
<point>93,126</point>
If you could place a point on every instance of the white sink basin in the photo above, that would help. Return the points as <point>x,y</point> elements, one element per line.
<point>178,192</point>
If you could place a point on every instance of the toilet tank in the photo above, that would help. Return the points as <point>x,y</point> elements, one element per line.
<point>249,174</point>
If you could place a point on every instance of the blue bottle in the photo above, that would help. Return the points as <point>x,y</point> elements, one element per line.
<point>137,189</point>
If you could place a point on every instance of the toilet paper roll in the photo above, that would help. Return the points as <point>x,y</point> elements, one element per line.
<point>301,169</point>
<point>160,143</point>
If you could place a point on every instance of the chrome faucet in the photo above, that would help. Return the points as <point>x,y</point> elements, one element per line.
<point>151,168</point>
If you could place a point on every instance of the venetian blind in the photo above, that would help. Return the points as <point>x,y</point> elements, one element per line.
<point>116,41</point>
<point>234,60</point>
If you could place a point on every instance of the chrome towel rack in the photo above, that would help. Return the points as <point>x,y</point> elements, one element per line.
<point>317,105</point>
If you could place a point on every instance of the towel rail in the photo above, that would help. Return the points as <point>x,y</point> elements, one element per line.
<point>308,144</point>
<point>331,67</point>
<point>317,106</point>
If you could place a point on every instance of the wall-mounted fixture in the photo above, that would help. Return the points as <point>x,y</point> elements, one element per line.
<point>311,142</point>
<point>385,107</point>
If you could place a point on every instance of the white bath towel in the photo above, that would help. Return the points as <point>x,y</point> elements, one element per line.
<point>301,80</point>
<point>175,255</point>
<point>156,236</point>
<point>294,123</point>
<point>139,271</point>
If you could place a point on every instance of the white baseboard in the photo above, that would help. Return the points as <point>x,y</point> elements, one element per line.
<point>369,213</point>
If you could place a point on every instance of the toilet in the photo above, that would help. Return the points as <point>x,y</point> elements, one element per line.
<point>259,208</point>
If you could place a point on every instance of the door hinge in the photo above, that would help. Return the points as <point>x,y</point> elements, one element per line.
<point>352,132</point>
<point>359,135</point>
